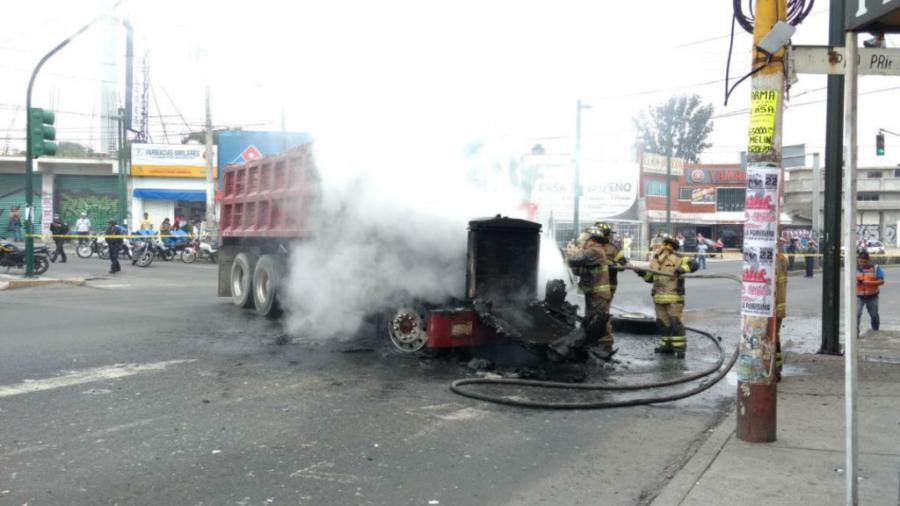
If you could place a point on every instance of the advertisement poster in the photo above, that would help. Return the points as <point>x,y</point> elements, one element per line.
<point>703,195</point>
<point>46,213</point>
<point>761,211</point>
<point>169,160</point>
<point>763,108</point>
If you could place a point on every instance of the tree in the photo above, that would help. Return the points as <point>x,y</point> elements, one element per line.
<point>73,150</point>
<point>682,121</point>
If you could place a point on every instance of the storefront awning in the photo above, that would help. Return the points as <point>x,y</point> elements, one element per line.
<point>166,194</point>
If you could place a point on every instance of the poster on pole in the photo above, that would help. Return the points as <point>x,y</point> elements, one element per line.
<point>46,212</point>
<point>761,211</point>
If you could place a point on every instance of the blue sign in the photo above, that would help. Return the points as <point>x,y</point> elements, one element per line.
<point>240,146</point>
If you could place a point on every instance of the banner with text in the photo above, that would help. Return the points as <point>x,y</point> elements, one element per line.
<point>169,160</point>
<point>761,211</point>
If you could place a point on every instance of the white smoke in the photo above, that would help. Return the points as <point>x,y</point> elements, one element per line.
<point>383,237</point>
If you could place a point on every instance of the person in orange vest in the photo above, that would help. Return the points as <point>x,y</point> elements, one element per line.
<point>869,278</point>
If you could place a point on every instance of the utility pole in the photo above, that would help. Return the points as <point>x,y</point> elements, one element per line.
<point>211,226</point>
<point>669,186</point>
<point>831,265</point>
<point>757,389</point>
<point>576,226</point>
<point>816,194</point>
<point>122,173</point>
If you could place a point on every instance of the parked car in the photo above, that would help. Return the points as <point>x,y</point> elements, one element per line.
<point>875,247</point>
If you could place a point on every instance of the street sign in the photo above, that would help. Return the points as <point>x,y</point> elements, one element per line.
<point>873,16</point>
<point>872,61</point>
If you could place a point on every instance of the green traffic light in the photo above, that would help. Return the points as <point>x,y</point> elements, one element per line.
<point>41,132</point>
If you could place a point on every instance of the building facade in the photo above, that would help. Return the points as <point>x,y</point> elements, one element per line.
<point>706,199</point>
<point>877,201</point>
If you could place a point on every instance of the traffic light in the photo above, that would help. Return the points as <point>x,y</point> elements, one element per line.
<point>41,132</point>
<point>879,144</point>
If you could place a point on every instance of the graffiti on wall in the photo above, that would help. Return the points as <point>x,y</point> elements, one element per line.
<point>873,233</point>
<point>98,207</point>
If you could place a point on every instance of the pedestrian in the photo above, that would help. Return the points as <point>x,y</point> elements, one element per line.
<point>792,251</point>
<point>869,278</point>
<point>592,266</point>
<point>626,246</point>
<point>680,239</point>
<point>147,224</point>
<point>701,254</point>
<point>666,268</point>
<point>15,224</point>
<point>114,241</point>
<point>83,228</point>
<point>59,229</point>
<point>811,253</point>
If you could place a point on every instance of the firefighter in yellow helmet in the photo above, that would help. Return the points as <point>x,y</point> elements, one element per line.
<point>667,266</point>
<point>590,262</point>
<point>616,258</point>
<point>781,279</point>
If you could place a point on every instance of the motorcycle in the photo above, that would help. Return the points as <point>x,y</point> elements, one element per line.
<point>127,249</point>
<point>143,252</point>
<point>87,248</point>
<point>13,257</point>
<point>199,249</point>
<point>163,250</point>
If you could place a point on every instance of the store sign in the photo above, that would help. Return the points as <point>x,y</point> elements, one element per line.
<point>878,15</point>
<point>604,194</point>
<point>703,195</point>
<point>761,212</point>
<point>652,163</point>
<point>717,176</point>
<point>169,160</point>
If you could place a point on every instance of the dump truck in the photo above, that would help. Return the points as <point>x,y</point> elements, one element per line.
<point>269,203</point>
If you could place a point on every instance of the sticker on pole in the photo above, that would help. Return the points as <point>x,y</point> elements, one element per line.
<point>761,211</point>
<point>763,106</point>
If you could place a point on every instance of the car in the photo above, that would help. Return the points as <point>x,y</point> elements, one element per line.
<point>875,247</point>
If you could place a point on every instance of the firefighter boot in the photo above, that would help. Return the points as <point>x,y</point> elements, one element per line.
<point>679,338</point>
<point>665,339</point>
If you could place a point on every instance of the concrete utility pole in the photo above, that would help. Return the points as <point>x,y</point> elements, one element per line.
<point>669,186</point>
<point>576,226</point>
<point>211,226</point>
<point>757,389</point>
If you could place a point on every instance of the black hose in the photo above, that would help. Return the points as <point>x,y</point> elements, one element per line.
<point>456,386</point>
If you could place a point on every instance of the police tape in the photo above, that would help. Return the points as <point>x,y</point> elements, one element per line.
<point>739,255</point>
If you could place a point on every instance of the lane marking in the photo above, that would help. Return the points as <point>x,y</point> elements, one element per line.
<point>86,376</point>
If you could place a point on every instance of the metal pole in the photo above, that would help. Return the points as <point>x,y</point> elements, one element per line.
<point>756,387</point>
<point>816,197</point>
<point>29,155</point>
<point>121,159</point>
<point>831,259</point>
<point>211,227</point>
<point>577,191</point>
<point>669,187</point>
<point>850,330</point>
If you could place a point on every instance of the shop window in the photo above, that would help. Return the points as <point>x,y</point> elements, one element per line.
<point>867,196</point>
<point>685,193</point>
<point>730,199</point>
<point>874,174</point>
<point>896,172</point>
<point>655,189</point>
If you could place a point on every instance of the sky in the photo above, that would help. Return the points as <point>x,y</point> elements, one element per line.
<point>414,82</point>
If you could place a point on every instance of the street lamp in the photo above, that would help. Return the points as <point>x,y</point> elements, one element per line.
<point>29,152</point>
<point>577,190</point>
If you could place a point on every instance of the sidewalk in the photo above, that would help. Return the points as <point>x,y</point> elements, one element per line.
<point>806,464</point>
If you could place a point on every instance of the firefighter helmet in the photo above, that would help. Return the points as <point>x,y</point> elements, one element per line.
<point>668,239</point>
<point>604,228</point>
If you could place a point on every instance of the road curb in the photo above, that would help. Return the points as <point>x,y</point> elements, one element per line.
<point>17,283</point>
<point>678,488</point>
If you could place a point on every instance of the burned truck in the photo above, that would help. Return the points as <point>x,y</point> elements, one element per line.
<point>269,203</point>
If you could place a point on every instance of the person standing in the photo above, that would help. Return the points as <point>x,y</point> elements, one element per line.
<point>147,224</point>
<point>593,269</point>
<point>792,250</point>
<point>701,254</point>
<point>666,268</point>
<point>114,241</point>
<point>617,261</point>
<point>626,246</point>
<point>811,252</point>
<point>869,278</point>
<point>59,229</point>
<point>83,228</point>
<point>15,224</point>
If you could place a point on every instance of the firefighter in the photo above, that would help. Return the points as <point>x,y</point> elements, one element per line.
<point>590,262</point>
<point>667,266</point>
<point>781,279</point>
<point>616,258</point>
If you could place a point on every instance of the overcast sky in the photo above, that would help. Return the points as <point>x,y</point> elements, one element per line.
<point>421,78</point>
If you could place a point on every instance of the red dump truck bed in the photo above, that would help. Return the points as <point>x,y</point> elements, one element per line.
<point>270,197</point>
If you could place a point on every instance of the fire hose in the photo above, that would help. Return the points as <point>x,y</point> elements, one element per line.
<point>457,386</point>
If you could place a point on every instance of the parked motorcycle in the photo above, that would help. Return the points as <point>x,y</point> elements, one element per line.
<point>87,248</point>
<point>163,250</point>
<point>200,249</point>
<point>127,249</point>
<point>13,257</point>
<point>143,252</point>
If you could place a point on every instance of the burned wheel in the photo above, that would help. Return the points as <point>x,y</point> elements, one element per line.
<point>406,328</point>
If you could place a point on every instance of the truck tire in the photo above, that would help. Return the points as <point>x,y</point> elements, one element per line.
<point>242,279</point>
<point>266,279</point>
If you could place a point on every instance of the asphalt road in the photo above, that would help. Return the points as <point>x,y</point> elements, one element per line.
<point>144,388</point>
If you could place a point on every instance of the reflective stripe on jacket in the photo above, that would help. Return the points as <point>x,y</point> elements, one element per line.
<point>668,289</point>
<point>593,269</point>
<point>615,256</point>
